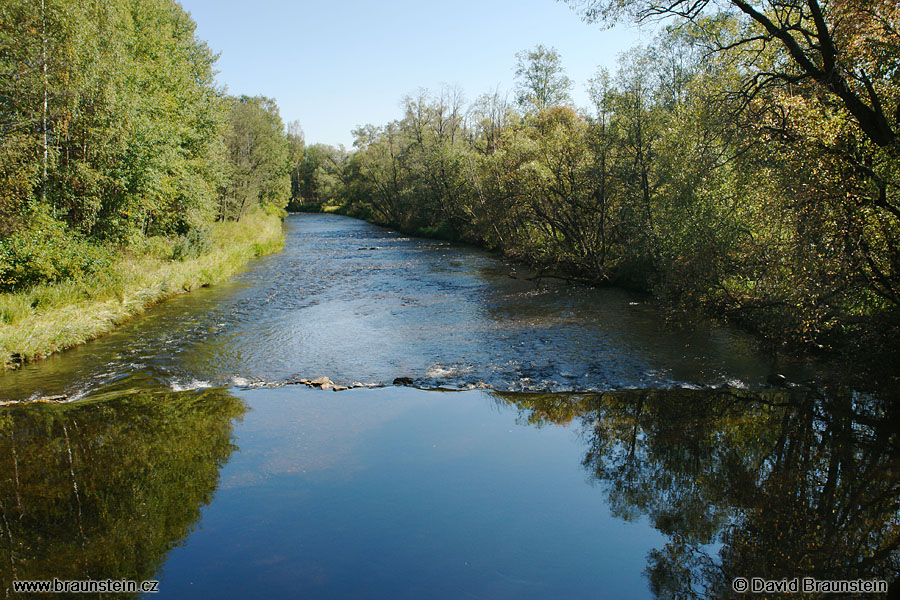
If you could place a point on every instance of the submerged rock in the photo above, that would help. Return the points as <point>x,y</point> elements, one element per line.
<point>58,399</point>
<point>777,380</point>
<point>323,383</point>
<point>407,381</point>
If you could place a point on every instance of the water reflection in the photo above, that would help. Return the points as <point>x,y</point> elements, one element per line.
<point>774,485</point>
<point>777,485</point>
<point>105,488</point>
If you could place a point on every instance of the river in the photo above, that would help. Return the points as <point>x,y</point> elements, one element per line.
<point>358,303</point>
<point>558,441</point>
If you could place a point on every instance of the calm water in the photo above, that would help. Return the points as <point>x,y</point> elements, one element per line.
<point>672,472</point>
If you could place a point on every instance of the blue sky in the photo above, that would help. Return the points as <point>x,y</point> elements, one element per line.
<point>333,66</point>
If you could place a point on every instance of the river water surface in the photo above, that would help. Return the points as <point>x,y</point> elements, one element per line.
<point>358,303</point>
<point>582,446</point>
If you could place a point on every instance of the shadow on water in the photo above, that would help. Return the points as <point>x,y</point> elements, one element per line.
<point>775,485</point>
<point>105,488</point>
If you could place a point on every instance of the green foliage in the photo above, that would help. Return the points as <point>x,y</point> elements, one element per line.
<point>260,159</point>
<point>115,138</point>
<point>19,169</point>
<point>275,211</point>
<point>130,137</point>
<point>441,231</point>
<point>296,148</point>
<point>192,245</point>
<point>44,318</point>
<point>540,79</point>
<point>316,176</point>
<point>46,252</point>
<point>765,206</point>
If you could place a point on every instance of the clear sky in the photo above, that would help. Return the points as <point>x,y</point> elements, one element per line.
<point>335,65</point>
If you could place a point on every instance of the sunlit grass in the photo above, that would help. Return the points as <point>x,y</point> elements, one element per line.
<point>48,318</point>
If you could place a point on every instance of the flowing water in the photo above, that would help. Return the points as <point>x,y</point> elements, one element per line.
<point>591,447</point>
<point>358,303</point>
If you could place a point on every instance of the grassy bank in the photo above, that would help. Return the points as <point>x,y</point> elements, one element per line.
<point>49,318</point>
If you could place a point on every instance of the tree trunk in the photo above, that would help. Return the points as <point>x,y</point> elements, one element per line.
<point>44,115</point>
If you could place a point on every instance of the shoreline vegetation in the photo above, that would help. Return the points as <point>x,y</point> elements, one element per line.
<point>127,174</point>
<point>49,318</point>
<point>870,347</point>
<point>714,169</point>
<point>737,165</point>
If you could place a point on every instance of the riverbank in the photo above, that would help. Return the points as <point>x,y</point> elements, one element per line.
<point>48,318</point>
<point>867,341</point>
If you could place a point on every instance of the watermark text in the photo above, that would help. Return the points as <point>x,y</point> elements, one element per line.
<point>86,586</point>
<point>808,585</point>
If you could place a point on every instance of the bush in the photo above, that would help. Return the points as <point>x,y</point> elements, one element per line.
<point>155,246</point>
<point>441,231</point>
<point>275,211</point>
<point>196,243</point>
<point>47,252</point>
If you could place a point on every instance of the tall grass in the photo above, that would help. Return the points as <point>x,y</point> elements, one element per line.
<point>49,318</point>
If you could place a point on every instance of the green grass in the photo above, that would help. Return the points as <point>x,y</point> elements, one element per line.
<point>48,318</point>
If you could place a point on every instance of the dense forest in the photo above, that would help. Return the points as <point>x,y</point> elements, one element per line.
<point>745,162</point>
<point>116,139</point>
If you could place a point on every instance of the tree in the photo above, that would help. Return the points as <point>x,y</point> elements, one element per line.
<point>297,145</point>
<point>259,157</point>
<point>541,81</point>
<point>850,48</point>
<point>110,131</point>
<point>110,117</point>
<point>764,204</point>
<point>316,176</point>
<point>491,115</point>
<point>561,183</point>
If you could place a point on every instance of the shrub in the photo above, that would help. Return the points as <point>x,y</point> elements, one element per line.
<point>195,243</point>
<point>47,252</point>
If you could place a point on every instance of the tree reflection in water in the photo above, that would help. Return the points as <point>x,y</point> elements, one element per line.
<point>105,488</point>
<point>774,485</point>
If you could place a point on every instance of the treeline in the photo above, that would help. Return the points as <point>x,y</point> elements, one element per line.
<point>116,139</point>
<point>316,176</point>
<point>722,179</point>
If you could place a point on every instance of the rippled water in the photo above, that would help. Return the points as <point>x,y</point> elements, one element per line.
<point>359,303</point>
